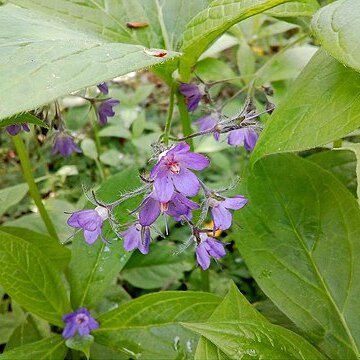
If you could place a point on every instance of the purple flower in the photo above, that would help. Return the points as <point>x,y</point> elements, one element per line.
<point>16,128</point>
<point>207,248</point>
<point>172,171</point>
<point>219,208</point>
<point>105,110</point>
<point>136,236</point>
<point>79,321</point>
<point>246,136</point>
<point>193,95</point>
<point>64,145</point>
<point>207,123</point>
<point>91,221</point>
<point>103,88</point>
<point>176,207</point>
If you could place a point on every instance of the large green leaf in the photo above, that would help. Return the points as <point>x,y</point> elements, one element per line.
<point>213,21</point>
<point>300,239</point>
<point>52,348</point>
<point>304,8</point>
<point>322,105</point>
<point>149,326</point>
<point>239,331</point>
<point>57,254</point>
<point>43,57</point>
<point>30,280</point>
<point>337,26</point>
<point>157,269</point>
<point>94,267</point>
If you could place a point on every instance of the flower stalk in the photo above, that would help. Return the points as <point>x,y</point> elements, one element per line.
<point>33,189</point>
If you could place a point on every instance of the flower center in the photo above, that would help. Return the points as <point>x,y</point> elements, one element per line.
<point>174,167</point>
<point>164,207</point>
<point>81,319</point>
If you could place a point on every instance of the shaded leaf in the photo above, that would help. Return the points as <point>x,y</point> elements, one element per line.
<point>322,105</point>
<point>336,26</point>
<point>301,247</point>
<point>11,196</point>
<point>81,343</point>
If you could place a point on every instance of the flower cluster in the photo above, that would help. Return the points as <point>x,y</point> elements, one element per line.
<point>173,182</point>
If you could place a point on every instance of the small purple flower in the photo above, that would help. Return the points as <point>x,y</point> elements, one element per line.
<point>246,136</point>
<point>79,321</point>
<point>103,88</point>
<point>91,221</point>
<point>207,123</point>
<point>177,206</point>
<point>136,236</point>
<point>193,95</point>
<point>207,248</point>
<point>64,145</point>
<point>105,110</point>
<point>219,208</point>
<point>172,171</point>
<point>16,128</point>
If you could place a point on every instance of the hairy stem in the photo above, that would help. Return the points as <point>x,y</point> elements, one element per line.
<point>184,118</point>
<point>169,115</point>
<point>33,189</point>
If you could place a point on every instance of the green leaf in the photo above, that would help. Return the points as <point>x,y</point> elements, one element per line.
<point>304,8</point>
<point>157,269</point>
<point>341,163</point>
<point>89,148</point>
<point>336,26</point>
<point>94,267</point>
<point>322,105</point>
<point>149,326</point>
<point>239,331</point>
<point>53,57</point>
<point>301,227</point>
<point>9,321</point>
<point>52,348</point>
<point>207,350</point>
<point>57,254</point>
<point>213,21</point>
<point>81,343</point>
<point>29,279</point>
<point>11,196</point>
<point>23,118</point>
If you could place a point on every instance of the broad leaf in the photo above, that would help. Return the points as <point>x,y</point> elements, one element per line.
<point>336,26</point>
<point>207,350</point>
<point>213,21</point>
<point>94,267</point>
<point>301,247</point>
<point>149,326</point>
<point>157,269</point>
<point>57,254</point>
<point>322,105</point>
<point>23,118</point>
<point>52,348</point>
<point>27,276</point>
<point>341,163</point>
<point>11,196</point>
<point>355,148</point>
<point>53,58</point>
<point>304,8</point>
<point>239,331</point>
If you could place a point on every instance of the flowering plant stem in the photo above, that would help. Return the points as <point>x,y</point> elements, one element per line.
<point>169,115</point>
<point>34,191</point>
<point>184,118</point>
<point>98,148</point>
<point>205,280</point>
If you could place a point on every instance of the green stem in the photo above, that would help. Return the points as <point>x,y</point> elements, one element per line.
<point>33,189</point>
<point>205,280</point>
<point>98,148</point>
<point>169,115</point>
<point>184,118</point>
